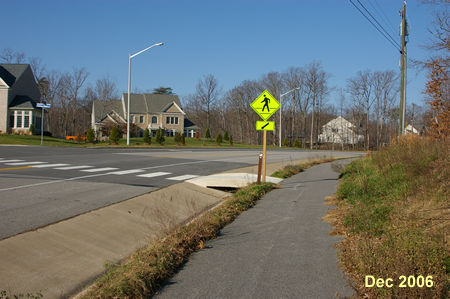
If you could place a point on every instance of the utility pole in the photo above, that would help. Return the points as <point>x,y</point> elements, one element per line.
<point>403,34</point>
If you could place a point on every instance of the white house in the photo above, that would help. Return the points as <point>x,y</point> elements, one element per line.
<point>339,130</point>
<point>411,130</point>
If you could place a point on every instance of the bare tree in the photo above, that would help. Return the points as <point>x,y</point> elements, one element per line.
<point>207,92</point>
<point>8,55</point>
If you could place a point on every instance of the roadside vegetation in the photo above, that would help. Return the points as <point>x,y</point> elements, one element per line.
<point>393,209</point>
<point>293,169</point>
<point>140,142</point>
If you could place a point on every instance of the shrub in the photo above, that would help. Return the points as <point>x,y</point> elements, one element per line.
<point>219,139</point>
<point>286,142</point>
<point>147,138</point>
<point>207,133</point>
<point>231,140</point>
<point>177,138</point>
<point>183,141</point>
<point>114,135</point>
<point>90,135</point>
<point>297,143</point>
<point>225,136</point>
<point>31,129</point>
<point>160,136</point>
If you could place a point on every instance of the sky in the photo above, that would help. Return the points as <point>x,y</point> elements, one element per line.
<point>233,40</point>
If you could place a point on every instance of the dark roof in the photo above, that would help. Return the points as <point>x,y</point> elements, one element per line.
<point>23,102</point>
<point>102,108</point>
<point>11,72</point>
<point>190,125</point>
<point>150,103</point>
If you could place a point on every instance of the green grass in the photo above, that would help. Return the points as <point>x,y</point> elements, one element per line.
<point>393,210</point>
<point>137,142</point>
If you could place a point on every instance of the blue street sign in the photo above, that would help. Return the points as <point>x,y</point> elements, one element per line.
<point>41,105</point>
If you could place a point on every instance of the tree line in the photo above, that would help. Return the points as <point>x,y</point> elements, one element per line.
<point>369,101</point>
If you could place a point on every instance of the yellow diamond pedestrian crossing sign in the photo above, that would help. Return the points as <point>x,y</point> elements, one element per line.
<point>265,105</point>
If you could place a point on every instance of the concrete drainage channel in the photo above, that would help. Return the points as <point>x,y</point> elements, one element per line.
<point>61,259</point>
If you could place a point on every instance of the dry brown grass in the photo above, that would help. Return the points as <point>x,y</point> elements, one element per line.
<point>393,209</point>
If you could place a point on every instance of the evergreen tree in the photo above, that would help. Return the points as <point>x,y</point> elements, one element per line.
<point>286,142</point>
<point>225,136</point>
<point>297,143</point>
<point>90,135</point>
<point>147,138</point>
<point>114,135</point>
<point>207,134</point>
<point>160,136</point>
<point>219,139</point>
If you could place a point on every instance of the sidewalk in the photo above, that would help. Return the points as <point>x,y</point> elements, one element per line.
<point>278,249</point>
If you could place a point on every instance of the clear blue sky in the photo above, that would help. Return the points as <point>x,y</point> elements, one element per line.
<point>233,40</point>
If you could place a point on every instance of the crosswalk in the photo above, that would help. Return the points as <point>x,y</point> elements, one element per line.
<point>142,173</point>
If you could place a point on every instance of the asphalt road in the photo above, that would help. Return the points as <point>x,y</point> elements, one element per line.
<point>44,185</point>
<point>280,248</point>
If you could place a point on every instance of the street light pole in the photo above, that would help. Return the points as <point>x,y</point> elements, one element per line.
<point>129,86</point>
<point>281,105</point>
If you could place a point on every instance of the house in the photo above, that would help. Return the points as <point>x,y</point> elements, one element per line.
<point>411,130</point>
<point>152,111</point>
<point>339,130</point>
<point>19,94</point>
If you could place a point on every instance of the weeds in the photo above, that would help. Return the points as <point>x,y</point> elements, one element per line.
<point>393,208</point>
<point>291,170</point>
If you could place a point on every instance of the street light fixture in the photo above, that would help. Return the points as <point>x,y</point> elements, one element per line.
<point>129,85</point>
<point>281,105</point>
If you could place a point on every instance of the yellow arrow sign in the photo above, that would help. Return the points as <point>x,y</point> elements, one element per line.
<point>265,125</point>
<point>265,105</point>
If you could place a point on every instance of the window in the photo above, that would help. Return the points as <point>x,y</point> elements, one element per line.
<point>19,119</point>
<point>133,119</point>
<point>141,119</point>
<point>26,119</point>
<point>172,120</point>
<point>154,120</point>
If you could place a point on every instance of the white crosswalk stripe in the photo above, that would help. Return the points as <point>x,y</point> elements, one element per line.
<point>183,177</point>
<point>99,169</point>
<point>127,171</point>
<point>153,174</point>
<point>74,167</point>
<point>6,161</point>
<point>25,163</point>
<point>49,165</point>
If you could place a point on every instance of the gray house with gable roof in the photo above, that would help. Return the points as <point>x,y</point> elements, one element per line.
<point>19,94</point>
<point>152,111</point>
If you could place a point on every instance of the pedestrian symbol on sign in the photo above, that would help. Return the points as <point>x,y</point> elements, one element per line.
<point>266,102</point>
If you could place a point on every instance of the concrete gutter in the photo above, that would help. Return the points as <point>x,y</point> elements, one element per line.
<point>61,259</point>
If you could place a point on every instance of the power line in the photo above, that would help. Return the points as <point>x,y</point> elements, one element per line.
<point>383,16</point>
<point>390,40</point>
<point>377,22</point>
